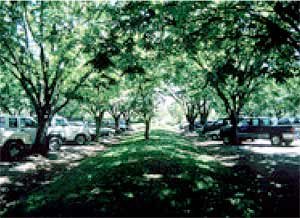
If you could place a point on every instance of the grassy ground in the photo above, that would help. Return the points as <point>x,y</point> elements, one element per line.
<point>165,176</point>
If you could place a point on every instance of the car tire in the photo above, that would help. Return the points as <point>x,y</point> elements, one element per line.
<point>288,143</point>
<point>214,137</point>
<point>12,151</point>
<point>55,143</point>
<point>80,140</point>
<point>276,140</point>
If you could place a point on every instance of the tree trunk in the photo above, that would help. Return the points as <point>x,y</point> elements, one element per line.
<point>126,116</point>
<point>117,123</point>
<point>234,122</point>
<point>127,123</point>
<point>191,121</point>
<point>40,145</point>
<point>147,129</point>
<point>98,121</point>
<point>203,118</point>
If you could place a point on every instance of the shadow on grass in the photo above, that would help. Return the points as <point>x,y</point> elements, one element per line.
<point>164,176</point>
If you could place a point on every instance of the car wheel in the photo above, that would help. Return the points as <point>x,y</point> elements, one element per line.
<point>276,140</point>
<point>226,140</point>
<point>214,137</point>
<point>80,139</point>
<point>55,143</point>
<point>12,151</point>
<point>288,143</point>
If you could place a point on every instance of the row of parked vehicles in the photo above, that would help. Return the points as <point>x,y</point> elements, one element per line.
<point>17,134</point>
<point>278,131</point>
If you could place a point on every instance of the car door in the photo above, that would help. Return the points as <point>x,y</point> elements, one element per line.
<point>61,127</point>
<point>29,126</point>
<point>15,132</point>
<point>255,128</point>
<point>244,129</point>
<point>265,126</point>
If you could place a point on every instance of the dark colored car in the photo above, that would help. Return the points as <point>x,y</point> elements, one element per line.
<point>218,124</point>
<point>294,121</point>
<point>259,128</point>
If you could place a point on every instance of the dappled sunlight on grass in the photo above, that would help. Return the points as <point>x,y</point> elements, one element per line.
<point>153,176</point>
<point>4,180</point>
<point>271,150</point>
<point>167,175</point>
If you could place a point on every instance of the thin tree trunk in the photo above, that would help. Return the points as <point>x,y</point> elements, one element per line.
<point>117,123</point>
<point>191,121</point>
<point>147,129</point>
<point>127,123</point>
<point>98,120</point>
<point>234,122</point>
<point>203,118</point>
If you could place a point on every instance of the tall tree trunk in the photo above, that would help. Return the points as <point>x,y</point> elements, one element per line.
<point>191,116</point>
<point>234,122</point>
<point>41,145</point>
<point>98,121</point>
<point>203,111</point>
<point>147,128</point>
<point>191,120</point>
<point>126,116</point>
<point>203,118</point>
<point>117,123</point>
<point>127,123</point>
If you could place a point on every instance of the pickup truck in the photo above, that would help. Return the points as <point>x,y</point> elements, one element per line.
<point>60,128</point>
<point>260,128</point>
<point>17,135</point>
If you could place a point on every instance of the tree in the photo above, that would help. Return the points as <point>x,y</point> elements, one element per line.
<point>143,88</point>
<point>13,99</point>
<point>42,46</point>
<point>115,112</point>
<point>235,67</point>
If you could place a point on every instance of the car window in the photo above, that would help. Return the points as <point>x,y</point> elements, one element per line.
<point>255,122</point>
<point>284,121</point>
<point>243,123</point>
<point>27,123</point>
<point>266,122</point>
<point>60,122</point>
<point>2,122</point>
<point>13,123</point>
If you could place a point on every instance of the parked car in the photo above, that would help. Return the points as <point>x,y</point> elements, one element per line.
<point>215,125</point>
<point>17,135</point>
<point>198,126</point>
<point>111,124</point>
<point>259,128</point>
<point>76,132</point>
<point>104,131</point>
<point>294,121</point>
<point>212,129</point>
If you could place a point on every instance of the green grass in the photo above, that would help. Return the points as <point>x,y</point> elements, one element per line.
<point>165,176</point>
